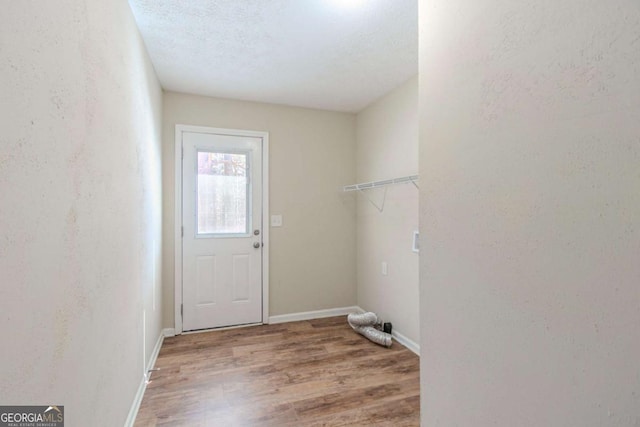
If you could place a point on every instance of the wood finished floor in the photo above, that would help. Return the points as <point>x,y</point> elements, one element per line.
<point>309,373</point>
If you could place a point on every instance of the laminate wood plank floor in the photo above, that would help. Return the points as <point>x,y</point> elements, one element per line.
<point>308,373</point>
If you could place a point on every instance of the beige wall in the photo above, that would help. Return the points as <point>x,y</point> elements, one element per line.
<point>387,147</point>
<point>529,207</point>
<point>312,155</point>
<point>80,229</point>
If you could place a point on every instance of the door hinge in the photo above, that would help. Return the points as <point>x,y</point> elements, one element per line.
<point>182,231</point>
<point>181,310</point>
<point>182,152</point>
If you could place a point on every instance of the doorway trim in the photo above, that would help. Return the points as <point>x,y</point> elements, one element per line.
<point>180,129</point>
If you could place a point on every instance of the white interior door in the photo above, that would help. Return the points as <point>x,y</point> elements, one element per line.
<point>222,234</point>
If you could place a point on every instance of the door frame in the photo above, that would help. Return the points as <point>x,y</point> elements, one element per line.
<point>180,129</point>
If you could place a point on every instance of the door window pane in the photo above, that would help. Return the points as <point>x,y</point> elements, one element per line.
<point>222,193</point>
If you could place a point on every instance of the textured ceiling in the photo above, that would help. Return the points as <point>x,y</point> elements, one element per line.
<point>330,54</point>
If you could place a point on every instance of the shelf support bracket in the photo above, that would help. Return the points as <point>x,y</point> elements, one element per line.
<point>380,208</point>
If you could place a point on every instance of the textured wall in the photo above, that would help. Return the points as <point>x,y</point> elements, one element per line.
<point>387,147</point>
<point>80,207</point>
<point>311,155</point>
<point>529,154</point>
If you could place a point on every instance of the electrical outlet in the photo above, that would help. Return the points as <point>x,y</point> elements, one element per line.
<point>385,270</point>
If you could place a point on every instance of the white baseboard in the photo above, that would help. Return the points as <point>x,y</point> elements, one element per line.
<point>410,344</point>
<point>137,400</point>
<point>169,332</point>
<point>309,315</point>
<point>156,350</point>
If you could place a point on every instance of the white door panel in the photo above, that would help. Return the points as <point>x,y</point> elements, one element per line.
<point>222,220</point>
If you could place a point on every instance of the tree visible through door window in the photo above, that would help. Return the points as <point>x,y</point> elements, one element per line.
<point>222,193</point>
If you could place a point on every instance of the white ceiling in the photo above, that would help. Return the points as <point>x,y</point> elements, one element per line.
<point>330,54</point>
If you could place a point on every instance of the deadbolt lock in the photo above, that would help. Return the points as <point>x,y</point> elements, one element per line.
<point>256,232</point>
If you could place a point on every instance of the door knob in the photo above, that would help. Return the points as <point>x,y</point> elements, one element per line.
<point>256,245</point>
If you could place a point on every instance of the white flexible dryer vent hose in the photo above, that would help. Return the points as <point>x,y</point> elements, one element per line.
<point>363,324</point>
